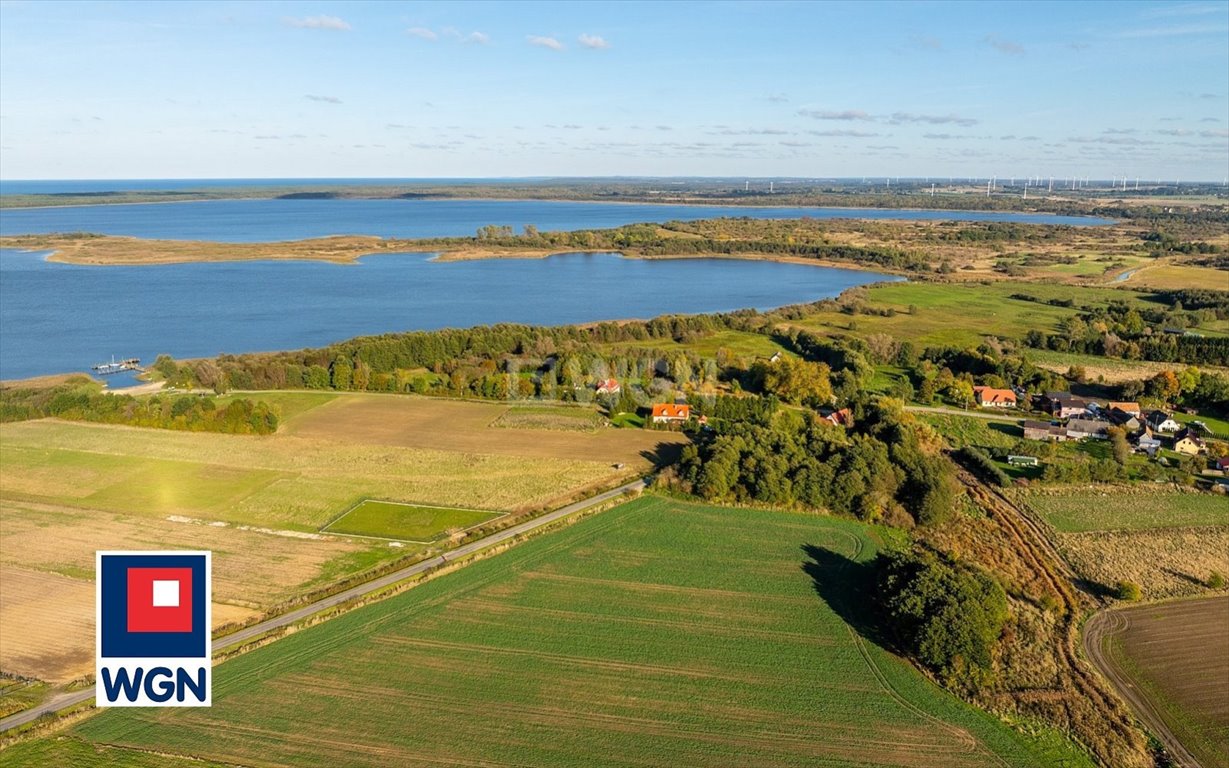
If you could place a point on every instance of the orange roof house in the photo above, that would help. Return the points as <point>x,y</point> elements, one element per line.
<point>1125,407</point>
<point>841,418</point>
<point>989,397</point>
<point>668,412</point>
<point>608,387</point>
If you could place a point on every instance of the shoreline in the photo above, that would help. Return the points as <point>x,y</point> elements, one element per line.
<point>341,250</point>
<point>731,204</point>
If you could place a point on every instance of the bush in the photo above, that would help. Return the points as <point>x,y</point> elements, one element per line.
<point>982,465</point>
<point>1128,590</point>
<point>1216,581</point>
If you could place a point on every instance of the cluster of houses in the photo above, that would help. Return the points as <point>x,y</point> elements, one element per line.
<point>1081,418</point>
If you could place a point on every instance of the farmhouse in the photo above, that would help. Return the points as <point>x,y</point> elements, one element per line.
<point>666,413</point>
<point>609,387</point>
<point>1064,405</point>
<point>841,418</point>
<point>1044,430</point>
<point>1189,443</point>
<point>1163,422</point>
<point>989,397</point>
<point>1079,429</point>
<point>1222,463</point>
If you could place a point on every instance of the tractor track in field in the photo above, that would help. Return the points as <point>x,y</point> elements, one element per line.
<point>1097,632</point>
<point>1032,542</point>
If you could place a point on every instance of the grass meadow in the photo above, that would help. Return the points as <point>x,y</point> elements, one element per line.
<point>1078,510</point>
<point>962,314</point>
<point>395,520</point>
<point>656,633</point>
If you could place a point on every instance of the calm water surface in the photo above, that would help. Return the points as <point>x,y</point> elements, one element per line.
<point>239,221</point>
<point>60,317</point>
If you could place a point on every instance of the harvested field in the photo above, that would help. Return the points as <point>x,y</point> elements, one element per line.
<point>394,520</point>
<point>1177,656</point>
<point>292,481</point>
<point>1111,508</point>
<point>657,633</point>
<point>1165,563</point>
<point>446,425</point>
<point>47,571</point>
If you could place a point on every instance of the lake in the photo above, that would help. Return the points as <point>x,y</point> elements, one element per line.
<point>57,318</point>
<point>266,220</point>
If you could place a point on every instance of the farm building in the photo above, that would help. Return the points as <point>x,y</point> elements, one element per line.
<point>1125,407</point>
<point>1022,461</point>
<point>1148,442</point>
<point>1222,463</point>
<point>1125,419</point>
<point>666,413</point>
<point>1079,429</point>
<point>989,397</point>
<point>1064,405</point>
<point>609,387</point>
<point>1044,430</point>
<point>1163,422</point>
<point>1189,443</point>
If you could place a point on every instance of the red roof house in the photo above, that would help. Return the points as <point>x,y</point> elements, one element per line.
<point>989,397</point>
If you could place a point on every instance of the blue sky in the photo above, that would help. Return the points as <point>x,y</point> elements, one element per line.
<point>349,89</point>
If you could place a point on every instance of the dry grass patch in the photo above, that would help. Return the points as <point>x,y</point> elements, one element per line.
<point>47,567</point>
<point>1166,563</point>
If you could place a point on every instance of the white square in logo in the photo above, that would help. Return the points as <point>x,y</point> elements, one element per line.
<point>166,594</point>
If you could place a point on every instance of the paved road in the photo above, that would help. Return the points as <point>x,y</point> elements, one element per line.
<point>1004,415</point>
<point>1096,630</point>
<point>85,694</point>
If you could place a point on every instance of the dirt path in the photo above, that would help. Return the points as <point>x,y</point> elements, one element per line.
<point>248,633</point>
<point>1097,632</point>
<point>1004,415</point>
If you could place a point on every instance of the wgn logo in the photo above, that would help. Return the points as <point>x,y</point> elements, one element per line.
<point>153,629</point>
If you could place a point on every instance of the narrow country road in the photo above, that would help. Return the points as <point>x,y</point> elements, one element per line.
<point>62,701</point>
<point>1097,630</point>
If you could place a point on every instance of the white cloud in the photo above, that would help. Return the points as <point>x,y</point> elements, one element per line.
<point>1004,46</point>
<point>909,117</point>
<point>545,42</point>
<point>478,38</point>
<point>596,42</point>
<point>844,133</point>
<point>1177,30</point>
<point>825,114</point>
<point>318,22</point>
<point>326,99</point>
<point>423,33</point>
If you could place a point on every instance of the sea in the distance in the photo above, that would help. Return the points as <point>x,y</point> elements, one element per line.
<point>267,220</point>
<point>59,318</point>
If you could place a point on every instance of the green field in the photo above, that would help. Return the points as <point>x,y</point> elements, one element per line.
<point>656,633</point>
<point>557,417</point>
<point>1114,509</point>
<point>394,520</point>
<point>962,314</point>
<point>287,404</point>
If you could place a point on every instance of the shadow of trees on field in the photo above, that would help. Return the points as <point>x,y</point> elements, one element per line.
<point>663,454</point>
<point>848,587</point>
<point>1094,588</point>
